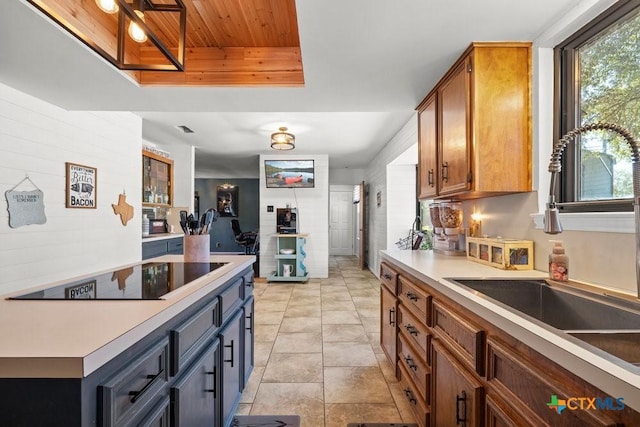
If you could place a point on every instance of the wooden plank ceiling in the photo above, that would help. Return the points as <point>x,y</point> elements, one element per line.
<point>228,42</point>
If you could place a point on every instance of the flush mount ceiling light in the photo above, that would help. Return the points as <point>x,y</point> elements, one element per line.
<point>123,32</point>
<point>283,140</point>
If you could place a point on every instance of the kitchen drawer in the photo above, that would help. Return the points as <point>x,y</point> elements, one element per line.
<point>154,249</point>
<point>524,387</point>
<point>415,331</point>
<point>157,417</point>
<point>389,277</point>
<point>185,336</point>
<point>415,299</point>
<point>418,406</point>
<point>502,415</point>
<point>231,298</point>
<point>416,368</point>
<point>465,339</point>
<point>175,246</point>
<point>127,393</point>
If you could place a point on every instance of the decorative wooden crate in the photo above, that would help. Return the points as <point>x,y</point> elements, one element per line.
<point>507,254</point>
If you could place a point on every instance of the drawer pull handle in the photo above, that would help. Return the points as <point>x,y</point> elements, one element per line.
<point>230,360</point>
<point>392,317</point>
<point>409,395</point>
<point>250,322</point>
<point>412,296</point>
<point>461,408</point>
<point>445,172</point>
<point>430,178</point>
<point>411,329</point>
<point>410,363</point>
<point>212,390</point>
<point>135,395</point>
<point>387,276</point>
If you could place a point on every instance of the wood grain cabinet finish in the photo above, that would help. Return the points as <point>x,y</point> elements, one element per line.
<point>388,329</point>
<point>458,396</point>
<point>389,278</point>
<point>415,299</point>
<point>415,331</point>
<point>416,403</point>
<point>482,105</point>
<point>427,149</point>
<point>414,363</point>
<point>463,337</point>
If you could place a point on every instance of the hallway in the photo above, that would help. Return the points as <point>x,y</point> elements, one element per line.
<point>317,352</point>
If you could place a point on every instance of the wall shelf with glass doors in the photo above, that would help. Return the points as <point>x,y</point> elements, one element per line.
<point>157,177</point>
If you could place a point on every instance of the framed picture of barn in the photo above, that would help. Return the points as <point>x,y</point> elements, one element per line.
<point>81,186</point>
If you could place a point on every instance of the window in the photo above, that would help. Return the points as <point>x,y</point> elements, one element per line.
<point>598,77</point>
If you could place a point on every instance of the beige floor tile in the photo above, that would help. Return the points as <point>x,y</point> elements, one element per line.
<point>303,311</point>
<point>368,312</point>
<point>266,332</point>
<point>353,285</point>
<point>249,393</point>
<point>262,353</point>
<point>243,409</point>
<point>330,304</point>
<point>369,301</point>
<point>301,324</point>
<point>340,317</point>
<point>303,399</point>
<point>294,368</point>
<point>264,306</point>
<point>364,293</point>
<point>333,289</point>
<point>374,341</point>
<point>371,324</point>
<point>298,343</point>
<point>349,333</point>
<point>268,318</point>
<point>355,385</point>
<point>348,354</point>
<point>306,298</point>
<point>341,414</point>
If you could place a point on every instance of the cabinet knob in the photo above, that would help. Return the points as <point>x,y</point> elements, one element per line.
<point>387,276</point>
<point>412,296</point>
<point>411,329</point>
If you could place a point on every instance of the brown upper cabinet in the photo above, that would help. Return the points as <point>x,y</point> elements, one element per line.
<point>157,177</point>
<point>474,127</point>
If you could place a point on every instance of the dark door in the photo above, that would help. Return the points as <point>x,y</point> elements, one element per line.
<point>194,396</point>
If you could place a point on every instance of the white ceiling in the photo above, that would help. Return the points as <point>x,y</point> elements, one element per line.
<point>367,64</point>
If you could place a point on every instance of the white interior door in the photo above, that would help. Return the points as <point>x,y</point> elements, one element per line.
<point>341,223</point>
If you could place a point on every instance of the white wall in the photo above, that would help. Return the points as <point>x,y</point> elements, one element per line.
<point>313,216</point>
<point>344,176</point>
<point>376,180</point>
<point>38,138</point>
<point>401,201</point>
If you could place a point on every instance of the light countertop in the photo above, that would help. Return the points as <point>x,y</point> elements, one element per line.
<point>615,379</point>
<point>71,339</point>
<point>161,236</point>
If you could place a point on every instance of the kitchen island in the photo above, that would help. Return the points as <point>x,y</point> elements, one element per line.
<point>184,356</point>
<point>444,338</point>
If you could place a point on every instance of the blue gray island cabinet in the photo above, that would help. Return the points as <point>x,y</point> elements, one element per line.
<point>189,371</point>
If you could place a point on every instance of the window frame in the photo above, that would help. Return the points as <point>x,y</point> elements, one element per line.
<point>566,78</point>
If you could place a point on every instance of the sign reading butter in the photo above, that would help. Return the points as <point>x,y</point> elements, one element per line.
<point>25,207</point>
<point>82,186</point>
<point>85,290</point>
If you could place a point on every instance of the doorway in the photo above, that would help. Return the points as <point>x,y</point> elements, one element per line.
<point>341,234</point>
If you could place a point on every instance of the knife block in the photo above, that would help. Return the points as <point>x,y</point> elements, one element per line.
<point>196,248</point>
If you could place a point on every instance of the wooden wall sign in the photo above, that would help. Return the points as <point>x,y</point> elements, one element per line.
<point>82,186</point>
<point>124,209</point>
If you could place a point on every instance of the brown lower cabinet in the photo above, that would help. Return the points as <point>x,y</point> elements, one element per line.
<point>458,369</point>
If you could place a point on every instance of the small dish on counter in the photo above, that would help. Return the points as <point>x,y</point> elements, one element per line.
<point>287,251</point>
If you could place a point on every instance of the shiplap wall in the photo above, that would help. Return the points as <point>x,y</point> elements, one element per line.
<point>38,138</point>
<point>376,180</point>
<point>313,216</point>
<point>401,201</point>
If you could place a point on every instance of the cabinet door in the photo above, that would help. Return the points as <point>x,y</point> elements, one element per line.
<point>230,339</point>
<point>453,105</point>
<point>427,146</point>
<point>194,396</point>
<point>457,396</point>
<point>247,348</point>
<point>388,334</point>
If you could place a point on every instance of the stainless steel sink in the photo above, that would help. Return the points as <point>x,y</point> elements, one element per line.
<point>560,308</point>
<point>602,324</point>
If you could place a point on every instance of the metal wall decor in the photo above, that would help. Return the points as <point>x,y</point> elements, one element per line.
<point>130,29</point>
<point>25,207</point>
<point>81,186</point>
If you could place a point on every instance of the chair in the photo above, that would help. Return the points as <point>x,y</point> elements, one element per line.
<point>248,240</point>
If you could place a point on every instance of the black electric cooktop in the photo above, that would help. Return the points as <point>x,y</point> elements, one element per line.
<point>148,281</point>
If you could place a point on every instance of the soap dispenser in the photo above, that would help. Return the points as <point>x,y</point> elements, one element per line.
<point>558,262</point>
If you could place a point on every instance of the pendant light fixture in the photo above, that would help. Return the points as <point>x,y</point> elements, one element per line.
<point>130,23</point>
<point>283,140</point>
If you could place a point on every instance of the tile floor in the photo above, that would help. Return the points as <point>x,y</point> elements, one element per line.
<point>317,352</point>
